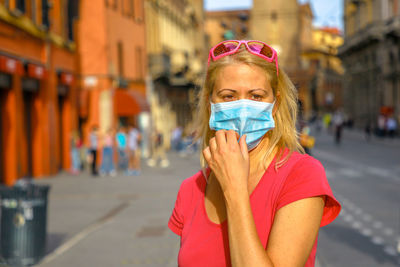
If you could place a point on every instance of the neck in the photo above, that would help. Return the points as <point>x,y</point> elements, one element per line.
<point>256,156</point>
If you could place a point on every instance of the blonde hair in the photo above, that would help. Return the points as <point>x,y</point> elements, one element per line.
<point>284,135</point>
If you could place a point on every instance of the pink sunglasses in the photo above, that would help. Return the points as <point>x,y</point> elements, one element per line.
<point>257,48</point>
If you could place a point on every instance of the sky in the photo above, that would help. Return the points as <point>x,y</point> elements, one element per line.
<point>326,13</point>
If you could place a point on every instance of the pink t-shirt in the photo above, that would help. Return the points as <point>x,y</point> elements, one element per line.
<point>204,243</point>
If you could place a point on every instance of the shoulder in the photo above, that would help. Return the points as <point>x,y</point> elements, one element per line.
<point>298,161</point>
<point>192,184</point>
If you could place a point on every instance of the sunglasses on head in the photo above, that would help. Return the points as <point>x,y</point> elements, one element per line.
<point>257,48</point>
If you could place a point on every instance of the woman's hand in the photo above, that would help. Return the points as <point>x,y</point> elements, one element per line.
<point>229,161</point>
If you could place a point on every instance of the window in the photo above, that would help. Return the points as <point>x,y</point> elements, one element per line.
<point>72,14</point>
<point>45,14</point>
<point>6,4</point>
<point>20,5</point>
<point>131,8</point>
<point>138,9</point>
<point>139,62</point>
<point>120,55</point>
<point>33,11</point>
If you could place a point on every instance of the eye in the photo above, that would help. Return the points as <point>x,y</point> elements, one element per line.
<point>256,97</point>
<point>227,97</point>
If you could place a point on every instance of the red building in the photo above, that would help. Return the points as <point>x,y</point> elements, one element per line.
<point>38,93</point>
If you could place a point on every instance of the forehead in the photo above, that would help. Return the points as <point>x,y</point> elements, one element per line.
<point>242,76</point>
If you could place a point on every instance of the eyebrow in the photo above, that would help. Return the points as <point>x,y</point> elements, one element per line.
<point>223,89</point>
<point>262,89</point>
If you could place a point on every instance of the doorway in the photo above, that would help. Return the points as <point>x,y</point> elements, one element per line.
<point>28,98</point>
<point>61,100</point>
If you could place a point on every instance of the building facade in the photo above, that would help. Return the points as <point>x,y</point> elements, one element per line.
<point>371,57</point>
<point>38,90</point>
<point>112,57</point>
<point>325,70</point>
<point>227,25</point>
<point>176,58</point>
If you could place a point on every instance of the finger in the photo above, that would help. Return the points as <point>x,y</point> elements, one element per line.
<point>231,137</point>
<point>220,137</point>
<point>237,136</point>
<point>213,145</point>
<point>207,154</point>
<point>243,146</point>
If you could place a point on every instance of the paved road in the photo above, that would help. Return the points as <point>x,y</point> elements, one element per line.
<point>121,221</point>
<point>365,177</point>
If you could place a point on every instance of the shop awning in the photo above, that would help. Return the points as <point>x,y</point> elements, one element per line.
<point>10,65</point>
<point>129,102</point>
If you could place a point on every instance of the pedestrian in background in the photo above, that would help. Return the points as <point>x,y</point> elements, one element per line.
<point>75,144</point>
<point>391,126</point>
<point>159,154</point>
<point>177,138</point>
<point>93,147</point>
<point>306,140</point>
<point>338,120</point>
<point>368,130</point>
<point>259,201</point>
<point>107,159</point>
<point>381,125</point>
<point>121,140</point>
<point>134,138</point>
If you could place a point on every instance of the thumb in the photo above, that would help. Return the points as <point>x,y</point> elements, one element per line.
<point>243,146</point>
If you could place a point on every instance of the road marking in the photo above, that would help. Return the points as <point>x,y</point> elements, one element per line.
<point>358,211</point>
<point>388,231</point>
<point>85,232</point>
<point>350,173</point>
<point>367,217</point>
<point>356,225</point>
<point>375,171</point>
<point>390,250</point>
<point>366,232</point>
<point>348,218</point>
<point>377,225</point>
<point>377,240</point>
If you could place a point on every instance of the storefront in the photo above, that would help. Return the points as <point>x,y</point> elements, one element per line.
<point>64,84</point>
<point>5,85</point>
<point>30,84</point>
<point>9,68</point>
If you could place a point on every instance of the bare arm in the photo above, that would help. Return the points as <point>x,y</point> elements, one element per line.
<point>291,238</point>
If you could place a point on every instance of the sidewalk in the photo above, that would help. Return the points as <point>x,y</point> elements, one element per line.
<point>114,221</point>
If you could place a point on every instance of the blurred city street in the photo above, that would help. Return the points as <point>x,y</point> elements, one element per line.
<point>365,178</point>
<point>122,220</point>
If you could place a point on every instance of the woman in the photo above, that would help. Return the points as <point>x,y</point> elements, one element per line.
<point>107,160</point>
<point>259,201</point>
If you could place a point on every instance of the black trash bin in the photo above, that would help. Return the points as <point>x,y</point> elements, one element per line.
<point>23,223</point>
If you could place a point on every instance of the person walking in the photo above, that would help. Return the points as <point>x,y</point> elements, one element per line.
<point>134,137</point>
<point>121,140</point>
<point>158,150</point>
<point>259,200</point>
<point>107,159</point>
<point>75,144</point>
<point>93,147</point>
<point>338,121</point>
<point>391,126</point>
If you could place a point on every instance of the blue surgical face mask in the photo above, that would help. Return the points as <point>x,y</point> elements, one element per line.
<point>253,118</point>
